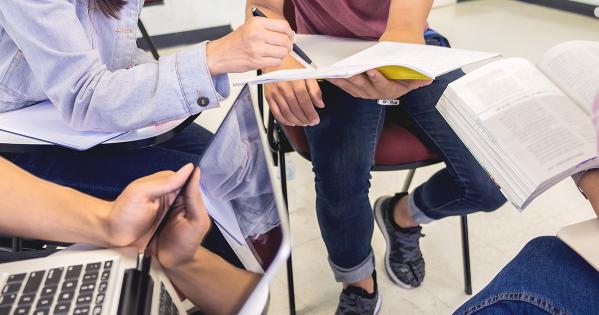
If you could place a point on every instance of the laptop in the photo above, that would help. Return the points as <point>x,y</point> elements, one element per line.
<point>121,281</point>
<point>583,238</point>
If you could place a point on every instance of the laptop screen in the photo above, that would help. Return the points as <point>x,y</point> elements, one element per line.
<point>242,199</point>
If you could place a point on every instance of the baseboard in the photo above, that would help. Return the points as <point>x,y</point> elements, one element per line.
<point>568,5</point>
<point>186,37</point>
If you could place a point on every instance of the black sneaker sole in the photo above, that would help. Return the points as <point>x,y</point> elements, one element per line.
<point>378,216</point>
<point>379,303</point>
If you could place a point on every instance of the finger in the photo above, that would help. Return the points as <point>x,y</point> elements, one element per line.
<point>274,108</point>
<point>273,51</point>
<point>162,185</point>
<point>284,97</point>
<point>315,93</point>
<point>305,102</point>
<point>194,205</point>
<point>346,86</point>
<point>268,62</point>
<point>295,99</point>
<point>278,39</point>
<point>279,26</point>
<point>377,79</point>
<point>362,84</point>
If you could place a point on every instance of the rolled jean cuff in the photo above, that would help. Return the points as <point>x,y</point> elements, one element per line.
<point>417,215</point>
<point>352,275</point>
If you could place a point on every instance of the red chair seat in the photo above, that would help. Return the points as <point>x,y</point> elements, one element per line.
<point>397,145</point>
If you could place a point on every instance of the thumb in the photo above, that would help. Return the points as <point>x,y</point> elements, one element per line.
<point>156,186</point>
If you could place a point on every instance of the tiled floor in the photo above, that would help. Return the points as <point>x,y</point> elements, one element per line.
<point>509,27</point>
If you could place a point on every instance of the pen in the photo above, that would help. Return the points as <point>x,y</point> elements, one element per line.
<point>300,53</point>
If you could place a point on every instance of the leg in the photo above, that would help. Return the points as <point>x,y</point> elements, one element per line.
<point>546,277</point>
<point>463,186</point>
<point>106,174</point>
<point>342,149</point>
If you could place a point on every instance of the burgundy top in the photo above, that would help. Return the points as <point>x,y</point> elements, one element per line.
<point>365,19</point>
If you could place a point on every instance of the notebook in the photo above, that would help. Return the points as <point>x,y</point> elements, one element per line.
<point>397,61</point>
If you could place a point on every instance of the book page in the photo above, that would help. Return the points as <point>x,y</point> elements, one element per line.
<point>574,67</point>
<point>532,120</point>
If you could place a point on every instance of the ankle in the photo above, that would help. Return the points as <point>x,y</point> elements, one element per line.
<point>402,216</point>
<point>366,284</point>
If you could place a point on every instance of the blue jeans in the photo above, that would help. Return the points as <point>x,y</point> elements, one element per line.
<point>546,277</point>
<point>106,174</point>
<point>342,149</point>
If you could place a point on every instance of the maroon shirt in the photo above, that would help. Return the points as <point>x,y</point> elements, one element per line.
<point>365,19</point>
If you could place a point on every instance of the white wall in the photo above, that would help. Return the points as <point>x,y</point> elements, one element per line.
<point>183,15</point>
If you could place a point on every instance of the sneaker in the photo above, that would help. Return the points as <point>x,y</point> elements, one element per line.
<point>403,259</point>
<point>356,301</point>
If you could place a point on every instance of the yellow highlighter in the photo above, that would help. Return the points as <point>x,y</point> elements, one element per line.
<point>401,73</point>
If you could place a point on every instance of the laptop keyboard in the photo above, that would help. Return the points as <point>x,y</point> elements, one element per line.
<point>76,289</point>
<point>166,306</point>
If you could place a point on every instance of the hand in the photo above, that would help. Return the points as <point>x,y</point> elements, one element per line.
<point>258,43</point>
<point>292,103</point>
<point>186,228</point>
<point>373,85</point>
<point>137,211</point>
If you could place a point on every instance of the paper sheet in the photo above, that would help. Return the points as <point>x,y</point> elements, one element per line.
<point>43,122</point>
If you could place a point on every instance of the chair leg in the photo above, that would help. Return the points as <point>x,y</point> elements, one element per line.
<point>466,255</point>
<point>148,39</point>
<point>290,283</point>
<point>408,181</point>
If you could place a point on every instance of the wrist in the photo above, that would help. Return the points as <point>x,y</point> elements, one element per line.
<point>213,60</point>
<point>404,35</point>
<point>101,210</point>
<point>179,266</point>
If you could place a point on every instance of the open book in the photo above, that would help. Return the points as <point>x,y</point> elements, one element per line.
<point>396,61</point>
<point>583,239</point>
<point>529,126</point>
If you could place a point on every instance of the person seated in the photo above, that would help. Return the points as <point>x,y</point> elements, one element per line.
<point>547,276</point>
<point>343,121</point>
<point>34,208</point>
<point>82,57</point>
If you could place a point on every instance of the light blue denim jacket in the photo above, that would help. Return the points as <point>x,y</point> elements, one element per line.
<point>89,67</point>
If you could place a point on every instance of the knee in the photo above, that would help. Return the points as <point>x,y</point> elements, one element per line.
<point>484,195</point>
<point>543,244</point>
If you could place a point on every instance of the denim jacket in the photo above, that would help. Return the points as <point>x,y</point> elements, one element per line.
<point>89,67</point>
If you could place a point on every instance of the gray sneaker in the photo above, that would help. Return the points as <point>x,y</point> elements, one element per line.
<point>356,301</point>
<point>403,259</point>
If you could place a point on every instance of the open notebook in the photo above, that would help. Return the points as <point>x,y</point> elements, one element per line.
<point>397,61</point>
<point>583,238</point>
<point>43,122</point>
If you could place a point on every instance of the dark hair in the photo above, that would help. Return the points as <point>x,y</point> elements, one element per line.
<point>111,8</point>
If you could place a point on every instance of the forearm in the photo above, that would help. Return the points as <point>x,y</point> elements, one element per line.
<point>408,17</point>
<point>589,184</point>
<point>212,284</point>
<point>33,208</point>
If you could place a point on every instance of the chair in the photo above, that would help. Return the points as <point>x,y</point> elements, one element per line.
<point>144,32</point>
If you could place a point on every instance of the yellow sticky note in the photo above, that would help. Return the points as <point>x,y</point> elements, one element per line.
<point>401,73</point>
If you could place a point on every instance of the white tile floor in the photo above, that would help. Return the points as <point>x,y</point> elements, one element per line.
<point>514,29</point>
